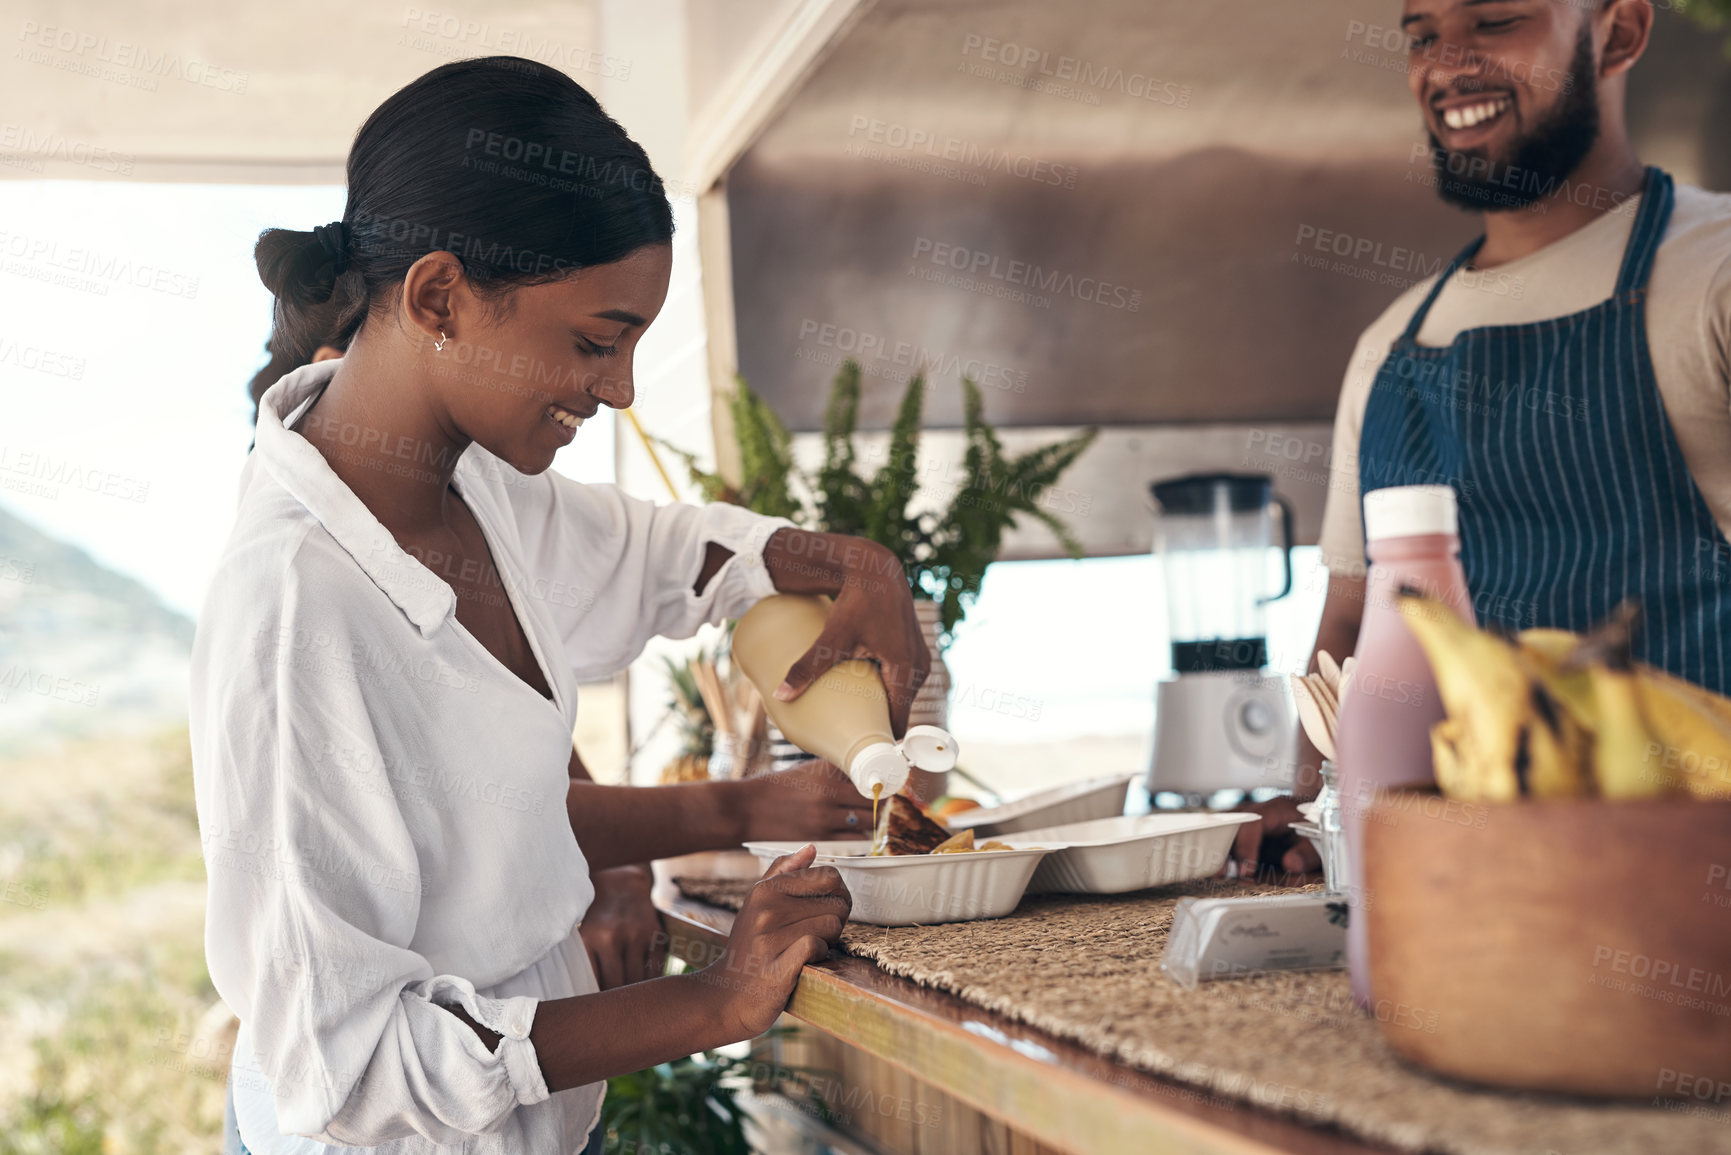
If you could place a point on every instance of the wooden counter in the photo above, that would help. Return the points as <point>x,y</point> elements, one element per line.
<point>921,1071</point>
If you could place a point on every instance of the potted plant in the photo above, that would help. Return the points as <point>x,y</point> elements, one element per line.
<point>692,1106</point>
<point>945,553</point>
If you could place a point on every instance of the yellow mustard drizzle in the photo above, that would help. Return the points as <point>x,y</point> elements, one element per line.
<point>877,792</point>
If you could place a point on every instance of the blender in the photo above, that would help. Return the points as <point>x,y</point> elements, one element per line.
<point>1221,721</point>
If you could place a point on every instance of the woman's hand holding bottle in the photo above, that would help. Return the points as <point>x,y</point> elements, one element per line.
<point>872,618</point>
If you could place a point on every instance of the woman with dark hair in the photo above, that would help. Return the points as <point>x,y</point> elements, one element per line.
<point>285,356</point>
<point>385,668</point>
<point>621,928</point>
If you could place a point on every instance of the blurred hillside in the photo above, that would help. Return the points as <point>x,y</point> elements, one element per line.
<point>83,650</point>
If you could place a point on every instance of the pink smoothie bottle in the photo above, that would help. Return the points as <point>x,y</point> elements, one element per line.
<point>1386,714</point>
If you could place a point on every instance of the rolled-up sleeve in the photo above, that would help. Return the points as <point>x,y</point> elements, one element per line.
<point>315,892</point>
<point>431,1075</point>
<point>616,570</point>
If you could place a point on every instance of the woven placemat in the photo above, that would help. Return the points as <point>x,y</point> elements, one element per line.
<point>1087,969</point>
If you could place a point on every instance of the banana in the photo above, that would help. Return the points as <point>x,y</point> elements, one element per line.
<point>1555,646</point>
<point>1446,759</point>
<point>1458,766</point>
<point>1690,745</point>
<point>1547,653</point>
<point>1555,714</point>
<point>1507,735</point>
<point>1624,744</point>
<point>1552,645</point>
<point>1704,699</point>
<point>1560,745</point>
<point>1627,750</point>
<point>1483,691</point>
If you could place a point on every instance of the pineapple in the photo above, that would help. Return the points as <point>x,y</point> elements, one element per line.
<point>696,731</point>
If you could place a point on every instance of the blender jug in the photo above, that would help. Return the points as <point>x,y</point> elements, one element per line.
<point>1220,722</point>
<point>1213,532</point>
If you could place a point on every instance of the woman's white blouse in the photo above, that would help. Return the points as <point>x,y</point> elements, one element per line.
<point>382,802</point>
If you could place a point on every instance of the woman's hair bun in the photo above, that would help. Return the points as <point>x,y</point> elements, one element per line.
<point>296,266</point>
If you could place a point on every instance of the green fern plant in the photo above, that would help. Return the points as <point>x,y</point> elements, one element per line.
<point>968,537</point>
<point>765,459</point>
<point>893,486</point>
<point>842,495</point>
<point>691,1105</point>
<point>944,555</point>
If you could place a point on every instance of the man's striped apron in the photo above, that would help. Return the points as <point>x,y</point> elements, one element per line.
<point>1573,491</point>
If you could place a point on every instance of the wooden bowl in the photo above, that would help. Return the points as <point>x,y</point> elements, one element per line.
<point>1576,946</point>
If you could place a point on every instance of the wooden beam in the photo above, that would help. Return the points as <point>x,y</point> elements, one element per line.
<point>739,113</point>
<point>757,91</point>
<point>715,254</point>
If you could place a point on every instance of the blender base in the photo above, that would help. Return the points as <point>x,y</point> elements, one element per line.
<point>1222,731</point>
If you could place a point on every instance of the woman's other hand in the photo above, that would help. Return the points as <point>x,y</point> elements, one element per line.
<point>622,931</point>
<point>790,919</point>
<point>812,801</point>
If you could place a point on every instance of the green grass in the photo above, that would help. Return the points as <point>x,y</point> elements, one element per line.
<point>103,843</point>
<point>118,1074</point>
<point>109,1068</point>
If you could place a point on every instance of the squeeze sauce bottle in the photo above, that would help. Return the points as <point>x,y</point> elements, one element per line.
<point>844,716</point>
<point>1383,741</point>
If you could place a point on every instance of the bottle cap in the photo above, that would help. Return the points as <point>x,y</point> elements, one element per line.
<point>1409,511</point>
<point>931,748</point>
<point>879,762</point>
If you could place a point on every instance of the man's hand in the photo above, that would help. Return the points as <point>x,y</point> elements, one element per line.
<point>872,619</point>
<point>813,801</point>
<point>622,931</point>
<point>1268,849</point>
<point>789,919</point>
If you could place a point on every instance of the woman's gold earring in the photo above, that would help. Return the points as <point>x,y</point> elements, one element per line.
<point>440,343</point>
